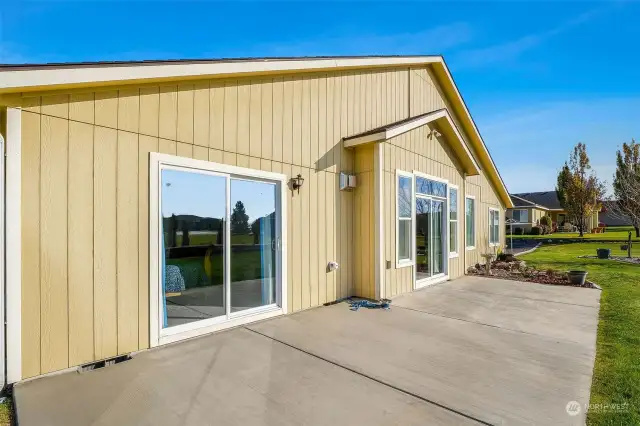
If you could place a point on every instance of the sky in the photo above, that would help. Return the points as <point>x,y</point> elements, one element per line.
<point>204,195</point>
<point>538,77</point>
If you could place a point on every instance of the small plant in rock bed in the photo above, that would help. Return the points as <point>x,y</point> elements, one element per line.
<point>546,224</point>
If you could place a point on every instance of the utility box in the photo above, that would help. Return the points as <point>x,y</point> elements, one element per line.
<point>347,182</point>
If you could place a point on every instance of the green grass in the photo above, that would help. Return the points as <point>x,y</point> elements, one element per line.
<point>6,412</point>
<point>616,375</point>
<point>612,233</point>
<point>206,239</point>
<point>244,266</point>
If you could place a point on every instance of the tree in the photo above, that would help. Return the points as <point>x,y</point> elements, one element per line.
<point>239,219</point>
<point>626,184</point>
<point>579,190</point>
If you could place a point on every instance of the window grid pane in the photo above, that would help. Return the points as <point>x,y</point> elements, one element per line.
<point>470,228</point>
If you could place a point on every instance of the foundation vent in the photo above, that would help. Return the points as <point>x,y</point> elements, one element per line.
<point>104,363</point>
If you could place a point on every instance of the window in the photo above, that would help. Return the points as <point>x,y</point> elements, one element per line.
<point>520,216</point>
<point>494,227</point>
<point>405,218</point>
<point>470,227</point>
<point>453,221</point>
<point>431,187</point>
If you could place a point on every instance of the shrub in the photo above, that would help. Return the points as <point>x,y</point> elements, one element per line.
<point>536,230</point>
<point>546,221</point>
<point>518,231</point>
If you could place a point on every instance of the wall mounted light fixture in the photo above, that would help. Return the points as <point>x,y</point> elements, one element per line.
<point>296,183</point>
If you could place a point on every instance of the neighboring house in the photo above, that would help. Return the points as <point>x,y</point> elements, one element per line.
<point>150,202</point>
<point>610,217</point>
<point>529,207</point>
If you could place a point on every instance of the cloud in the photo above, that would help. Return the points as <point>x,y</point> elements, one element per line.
<point>430,41</point>
<point>529,145</point>
<point>510,50</point>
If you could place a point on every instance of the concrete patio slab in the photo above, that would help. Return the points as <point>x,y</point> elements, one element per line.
<point>471,351</point>
<point>232,378</point>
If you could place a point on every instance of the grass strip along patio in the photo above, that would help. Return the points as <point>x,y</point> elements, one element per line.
<point>615,390</point>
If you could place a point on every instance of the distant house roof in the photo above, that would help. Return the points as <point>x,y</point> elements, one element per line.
<point>546,199</point>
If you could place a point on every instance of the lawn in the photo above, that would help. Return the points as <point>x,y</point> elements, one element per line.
<point>616,376</point>
<point>6,412</point>
<point>617,233</point>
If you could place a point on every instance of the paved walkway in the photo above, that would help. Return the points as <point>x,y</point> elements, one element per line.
<point>471,351</point>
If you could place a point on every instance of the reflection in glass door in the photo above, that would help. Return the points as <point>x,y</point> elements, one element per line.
<point>193,213</point>
<point>253,244</point>
<point>430,238</point>
<point>220,246</point>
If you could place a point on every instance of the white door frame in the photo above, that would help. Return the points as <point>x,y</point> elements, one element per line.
<point>445,231</point>
<point>160,336</point>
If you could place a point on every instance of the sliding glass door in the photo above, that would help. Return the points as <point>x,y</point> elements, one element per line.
<point>220,246</point>
<point>430,231</point>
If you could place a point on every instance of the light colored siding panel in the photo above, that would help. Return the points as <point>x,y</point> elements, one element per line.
<point>53,244</point>
<point>255,119</point>
<point>242,160</point>
<point>278,110</point>
<point>305,123</point>
<point>286,170</point>
<point>106,108</point>
<point>149,110</point>
<point>244,105</point>
<point>266,165</point>
<point>230,125</point>
<point>331,140</point>
<point>216,115</point>
<point>297,254</point>
<point>315,101</point>
<point>30,187</point>
<point>322,238</point>
<point>185,113</point>
<point>184,149</point>
<point>201,114</point>
<point>330,234</point>
<point>216,156</point>
<point>321,160</point>
<point>127,242</point>
<point>56,105</point>
<point>31,104</point>
<point>104,243</point>
<point>129,110</point>
<point>166,146</point>
<point>313,238</point>
<point>297,122</point>
<point>80,243</point>
<point>254,163</point>
<point>200,153</point>
<point>287,121</point>
<point>266,110</point>
<point>229,158</point>
<point>81,107</point>
<point>146,145</point>
<point>168,112</point>
<point>305,282</point>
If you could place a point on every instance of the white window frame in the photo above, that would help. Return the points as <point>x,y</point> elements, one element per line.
<point>520,222</point>
<point>160,336</point>
<point>473,222</point>
<point>402,263</point>
<point>454,253</point>
<point>445,274</point>
<point>496,243</point>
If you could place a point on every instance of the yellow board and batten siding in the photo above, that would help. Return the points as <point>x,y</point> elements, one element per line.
<point>85,192</point>
<point>85,169</point>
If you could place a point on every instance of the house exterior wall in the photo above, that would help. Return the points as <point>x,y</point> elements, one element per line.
<point>85,192</point>
<point>85,189</point>
<point>364,223</point>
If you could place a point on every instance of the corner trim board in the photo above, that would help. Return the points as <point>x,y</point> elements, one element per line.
<point>13,245</point>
